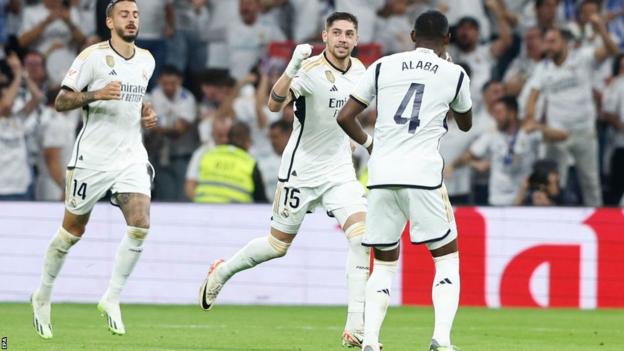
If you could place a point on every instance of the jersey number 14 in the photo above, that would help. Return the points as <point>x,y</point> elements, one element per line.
<point>415,92</point>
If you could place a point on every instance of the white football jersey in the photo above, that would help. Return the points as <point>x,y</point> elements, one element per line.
<point>110,138</point>
<point>318,150</point>
<point>414,91</point>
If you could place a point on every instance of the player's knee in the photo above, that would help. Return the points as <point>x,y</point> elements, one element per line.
<point>280,247</point>
<point>355,233</point>
<point>141,221</point>
<point>138,233</point>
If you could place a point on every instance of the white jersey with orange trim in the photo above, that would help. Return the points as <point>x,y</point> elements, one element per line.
<point>318,150</point>
<point>110,138</point>
<point>414,92</point>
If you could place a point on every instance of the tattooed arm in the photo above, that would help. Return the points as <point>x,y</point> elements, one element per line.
<point>68,99</point>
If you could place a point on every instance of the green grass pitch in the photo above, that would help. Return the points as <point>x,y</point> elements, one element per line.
<point>270,328</point>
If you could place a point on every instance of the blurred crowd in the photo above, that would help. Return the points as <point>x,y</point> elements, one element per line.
<point>547,81</point>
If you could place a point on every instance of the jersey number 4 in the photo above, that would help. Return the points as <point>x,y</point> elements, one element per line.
<point>414,92</point>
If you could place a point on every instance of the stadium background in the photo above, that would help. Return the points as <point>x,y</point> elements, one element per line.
<point>511,256</point>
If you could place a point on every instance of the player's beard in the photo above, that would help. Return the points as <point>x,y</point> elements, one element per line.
<point>128,38</point>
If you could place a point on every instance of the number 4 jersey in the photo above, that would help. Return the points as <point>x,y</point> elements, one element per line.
<point>414,92</point>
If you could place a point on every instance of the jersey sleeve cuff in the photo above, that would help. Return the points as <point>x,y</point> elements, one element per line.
<point>458,111</point>
<point>67,87</point>
<point>359,100</point>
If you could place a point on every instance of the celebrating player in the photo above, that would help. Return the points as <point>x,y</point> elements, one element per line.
<point>108,81</point>
<point>414,92</point>
<point>316,169</point>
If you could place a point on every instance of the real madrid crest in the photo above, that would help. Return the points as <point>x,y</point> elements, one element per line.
<point>330,76</point>
<point>110,61</point>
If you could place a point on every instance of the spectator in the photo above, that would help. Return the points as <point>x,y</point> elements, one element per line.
<point>55,141</point>
<point>393,31</point>
<point>306,17</point>
<point>173,141</point>
<point>456,9</point>
<point>484,120</point>
<point>187,49</point>
<point>613,106</point>
<point>247,39</point>
<point>15,173</point>
<point>222,12</point>
<point>542,187</point>
<point>52,28</point>
<point>216,86</point>
<point>366,13</point>
<point>227,173</point>
<point>157,26</point>
<point>480,57</point>
<point>279,133</point>
<point>510,151</point>
<point>565,81</point>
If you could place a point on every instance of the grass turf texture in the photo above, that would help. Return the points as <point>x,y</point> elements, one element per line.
<point>248,328</point>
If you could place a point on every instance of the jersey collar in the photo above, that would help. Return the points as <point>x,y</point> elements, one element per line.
<point>120,55</point>
<point>425,51</point>
<point>334,67</point>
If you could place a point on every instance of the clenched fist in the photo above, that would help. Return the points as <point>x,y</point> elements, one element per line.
<point>302,52</point>
<point>148,116</point>
<point>112,91</point>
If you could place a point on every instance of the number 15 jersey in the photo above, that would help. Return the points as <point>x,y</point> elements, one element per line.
<point>414,92</point>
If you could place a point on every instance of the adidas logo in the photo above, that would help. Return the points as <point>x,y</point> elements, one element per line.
<point>80,158</point>
<point>445,281</point>
<point>112,73</point>
<point>333,88</point>
<point>294,173</point>
<point>384,291</point>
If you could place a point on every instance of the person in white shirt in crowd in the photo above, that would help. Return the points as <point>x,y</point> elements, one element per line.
<point>221,14</point>
<point>53,28</point>
<point>187,48</point>
<point>219,136</point>
<point>247,38</point>
<point>175,138</point>
<point>511,150</point>
<point>392,32</point>
<point>15,173</point>
<point>613,106</point>
<point>565,80</point>
<point>456,9</point>
<point>480,57</point>
<point>586,36</point>
<point>484,119</point>
<point>157,25</point>
<point>306,19</point>
<point>366,13</point>
<point>544,14</point>
<point>215,85</point>
<point>279,133</point>
<point>55,141</point>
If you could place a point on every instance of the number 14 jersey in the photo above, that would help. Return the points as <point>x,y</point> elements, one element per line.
<point>414,92</point>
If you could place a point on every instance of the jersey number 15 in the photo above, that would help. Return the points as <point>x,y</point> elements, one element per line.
<point>415,91</point>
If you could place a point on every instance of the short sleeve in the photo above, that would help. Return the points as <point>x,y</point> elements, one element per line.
<point>536,79</point>
<point>463,101</point>
<point>480,146</point>
<point>192,171</point>
<point>188,108</point>
<point>301,84</point>
<point>610,100</point>
<point>80,74</point>
<point>365,89</point>
<point>54,134</point>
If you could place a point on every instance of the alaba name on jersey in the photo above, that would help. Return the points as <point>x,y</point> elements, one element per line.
<point>110,138</point>
<point>414,92</point>
<point>318,151</point>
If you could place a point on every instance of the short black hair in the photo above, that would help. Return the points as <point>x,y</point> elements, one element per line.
<point>510,103</point>
<point>564,33</point>
<point>283,125</point>
<point>338,16</point>
<point>468,20</point>
<point>617,64</point>
<point>488,83</point>
<point>540,3</point>
<point>217,77</point>
<point>111,6</point>
<point>238,132</point>
<point>431,25</point>
<point>170,70</point>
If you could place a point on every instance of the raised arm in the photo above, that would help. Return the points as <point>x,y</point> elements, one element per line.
<point>610,48</point>
<point>280,96</point>
<point>68,99</point>
<point>531,105</point>
<point>505,39</point>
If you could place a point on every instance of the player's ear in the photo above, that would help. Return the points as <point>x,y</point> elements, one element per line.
<point>447,39</point>
<point>109,22</point>
<point>324,36</point>
<point>413,36</point>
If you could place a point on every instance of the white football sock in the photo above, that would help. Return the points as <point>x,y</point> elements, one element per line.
<point>53,262</point>
<point>377,299</point>
<point>445,295</point>
<point>357,268</point>
<point>128,254</point>
<point>255,252</point>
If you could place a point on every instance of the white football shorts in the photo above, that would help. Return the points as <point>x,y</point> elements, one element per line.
<point>292,203</point>
<point>85,187</point>
<point>429,212</point>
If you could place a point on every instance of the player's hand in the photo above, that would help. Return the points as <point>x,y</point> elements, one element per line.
<point>14,63</point>
<point>302,52</point>
<point>148,116</point>
<point>112,91</point>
